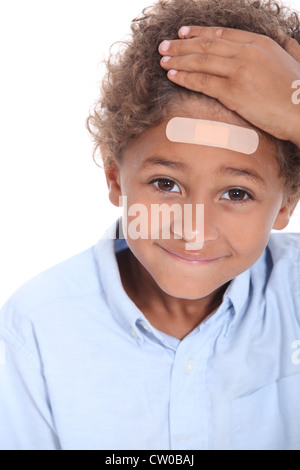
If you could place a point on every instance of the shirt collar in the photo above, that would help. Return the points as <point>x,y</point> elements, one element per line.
<point>121,306</point>
<point>238,291</point>
<point>126,313</point>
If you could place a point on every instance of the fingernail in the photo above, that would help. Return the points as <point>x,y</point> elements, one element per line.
<point>164,46</point>
<point>184,31</point>
<point>165,59</point>
<point>173,72</point>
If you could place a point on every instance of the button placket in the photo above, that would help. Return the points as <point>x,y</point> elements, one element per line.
<point>189,407</point>
<point>145,326</point>
<point>189,366</point>
<point>134,333</point>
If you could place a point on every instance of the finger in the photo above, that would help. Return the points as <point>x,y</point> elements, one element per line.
<point>209,45</point>
<point>216,87</point>
<point>204,63</point>
<point>293,48</point>
<point>235,35</point>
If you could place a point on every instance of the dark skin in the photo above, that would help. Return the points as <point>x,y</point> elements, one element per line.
<point>247,72</point>
<point>136,281</point>
<point>176,296</point>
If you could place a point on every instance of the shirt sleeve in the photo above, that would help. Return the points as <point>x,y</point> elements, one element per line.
<point>26,421</point>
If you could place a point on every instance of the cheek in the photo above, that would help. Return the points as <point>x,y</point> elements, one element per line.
<point>136,216</point>
<point>153,221</point>
<point>249,232</point>
<point>146,254</point>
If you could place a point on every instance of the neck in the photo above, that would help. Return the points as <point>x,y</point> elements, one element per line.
<point>174,316</point>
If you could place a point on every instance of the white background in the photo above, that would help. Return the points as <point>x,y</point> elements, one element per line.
<point>53,197</point>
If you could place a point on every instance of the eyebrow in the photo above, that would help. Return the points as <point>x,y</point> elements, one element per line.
<point>247,172</point>
<point>153,161</point>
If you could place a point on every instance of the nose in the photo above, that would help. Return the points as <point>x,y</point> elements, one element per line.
<point>210,224</point>
<point>198,225</point>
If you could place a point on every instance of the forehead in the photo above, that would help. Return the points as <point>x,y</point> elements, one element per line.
<point>154,141</point>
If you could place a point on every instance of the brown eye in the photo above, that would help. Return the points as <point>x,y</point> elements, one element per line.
<point>237,195</point>
<point>166,185</point>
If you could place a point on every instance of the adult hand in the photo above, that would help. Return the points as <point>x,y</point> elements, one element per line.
<point>247,72</point>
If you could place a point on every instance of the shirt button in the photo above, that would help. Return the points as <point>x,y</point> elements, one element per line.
<point>145,326</point>
<point>134,333</point>
<point>189,367</point>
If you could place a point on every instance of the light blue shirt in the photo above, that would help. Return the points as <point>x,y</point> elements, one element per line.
<point>82,368</point>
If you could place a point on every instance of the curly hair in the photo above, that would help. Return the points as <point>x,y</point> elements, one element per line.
<point>136,93</point>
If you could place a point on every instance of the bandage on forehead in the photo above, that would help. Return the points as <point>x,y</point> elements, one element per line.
<point>213,134</point>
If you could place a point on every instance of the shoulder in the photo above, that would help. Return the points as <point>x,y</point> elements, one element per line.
<point>75,276</point>
<point>282,272</point>
<point>282,261</point>
<point>51,298</point>
<point>275,277</point>
<point>281,257</point>
<point>284,246</point>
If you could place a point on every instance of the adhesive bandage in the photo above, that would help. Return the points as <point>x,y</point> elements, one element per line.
<point>212,134</point>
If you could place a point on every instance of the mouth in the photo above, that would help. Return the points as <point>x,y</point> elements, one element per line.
<point>195,258</point>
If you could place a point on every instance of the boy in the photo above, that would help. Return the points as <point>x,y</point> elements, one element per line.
<point>190,340</point>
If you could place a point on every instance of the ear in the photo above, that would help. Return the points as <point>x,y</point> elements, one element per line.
<point>112,174</point>
<point>285,213</point>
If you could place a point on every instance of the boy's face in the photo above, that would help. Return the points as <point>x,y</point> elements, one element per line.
<point>240,209</point>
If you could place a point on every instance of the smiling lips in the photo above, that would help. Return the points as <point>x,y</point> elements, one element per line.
<point>191,258</point>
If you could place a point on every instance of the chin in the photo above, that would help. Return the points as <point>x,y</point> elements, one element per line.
<point>185,292</point>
